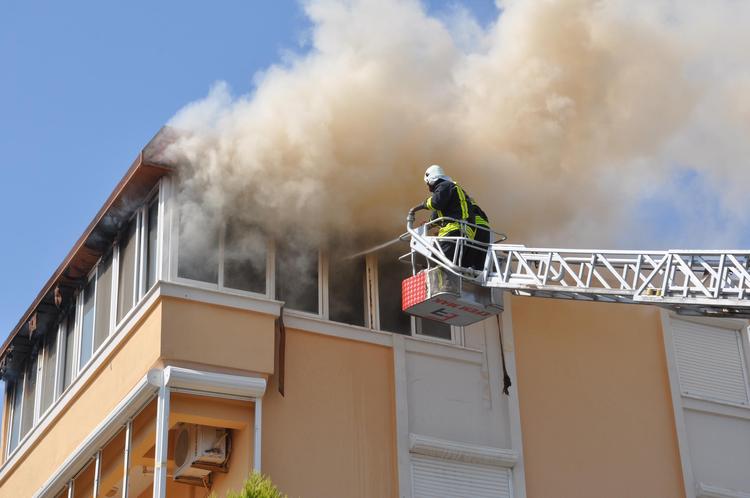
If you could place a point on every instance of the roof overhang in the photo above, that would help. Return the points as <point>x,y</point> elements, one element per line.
<point>96,240</point>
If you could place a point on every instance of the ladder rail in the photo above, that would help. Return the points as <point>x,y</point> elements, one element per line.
<point>706,282</point>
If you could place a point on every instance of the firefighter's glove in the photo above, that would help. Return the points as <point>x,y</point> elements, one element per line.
<point>410,217</point>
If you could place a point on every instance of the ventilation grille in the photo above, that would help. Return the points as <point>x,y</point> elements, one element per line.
<point>438,478</point>
<point>710,362</point>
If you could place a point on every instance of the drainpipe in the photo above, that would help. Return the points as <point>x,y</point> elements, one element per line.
<point>258,427</point>
<point>162,435</point>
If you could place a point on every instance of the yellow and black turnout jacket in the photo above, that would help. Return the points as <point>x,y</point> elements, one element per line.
<point>449,200</point>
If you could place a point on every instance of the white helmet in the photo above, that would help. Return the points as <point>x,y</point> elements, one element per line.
<point>433,174</point>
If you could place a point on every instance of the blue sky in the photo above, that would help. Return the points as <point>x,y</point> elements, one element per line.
<point>85,84</point>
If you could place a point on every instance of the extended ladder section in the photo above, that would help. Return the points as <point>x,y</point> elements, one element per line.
<point>692,282</point>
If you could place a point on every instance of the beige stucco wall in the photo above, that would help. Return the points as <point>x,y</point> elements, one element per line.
<point>116,377</point>
<point>213,335</point>
<point>174,331</point>
<point>333,433</point>
<point>596,409</point>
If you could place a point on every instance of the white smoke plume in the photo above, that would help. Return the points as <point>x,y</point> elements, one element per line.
<point>572,122</point>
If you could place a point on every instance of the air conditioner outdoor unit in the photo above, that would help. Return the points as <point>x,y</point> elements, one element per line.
<point>198,450</point>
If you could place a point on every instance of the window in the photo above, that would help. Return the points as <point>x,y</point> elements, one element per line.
<point>70,347</point>
<point>29,397</point>
<point>346,289</point>
<point>432,328</point>
<point>16,407</point>
<point>390,274</point>
<point>87,323</point>
<point>49,371</point>
<point>152,222</point>
<point>710,362</point>
<point>443,477</point>
<point>126,282</point>
<point>198,252</point>
<point>297,276</point>
<point>245,250</point>
<point>103,300</point>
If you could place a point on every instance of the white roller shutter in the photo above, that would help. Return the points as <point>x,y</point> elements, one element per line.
<point>441,478</point>
<point>710,362</point>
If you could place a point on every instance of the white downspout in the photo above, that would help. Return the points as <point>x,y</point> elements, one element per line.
<point>258,427</point>
<point>162,435</point>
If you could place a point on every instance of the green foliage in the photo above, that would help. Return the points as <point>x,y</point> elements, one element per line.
<point>258,486</point>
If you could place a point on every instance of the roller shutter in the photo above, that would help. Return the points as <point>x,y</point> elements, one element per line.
<point>440,478</point>
<point>710,361</point>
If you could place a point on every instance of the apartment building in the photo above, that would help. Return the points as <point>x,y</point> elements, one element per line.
<point>144,368</point>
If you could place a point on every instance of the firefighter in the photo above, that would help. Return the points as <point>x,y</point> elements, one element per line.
<point>448,199</point>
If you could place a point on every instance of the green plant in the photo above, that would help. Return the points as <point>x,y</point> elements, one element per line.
<point>257,486</point>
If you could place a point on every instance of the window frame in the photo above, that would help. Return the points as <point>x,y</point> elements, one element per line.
<point>18,387</point>
<point>139,292</point>
<point>738,326</point>
<point>91,277</point>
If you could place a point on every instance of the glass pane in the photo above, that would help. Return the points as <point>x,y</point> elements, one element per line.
<point>434,329</point>
<point>87,323</point>
<point>198,253</point>
<point>390,274</point>
<point>103,301</point>
<point>69,348</point>
<point>83,484</point>
<point>15,427</point>
<point>346,289</point>
<point>48,375</point>
<point>141,468</point>
<point>110,479</point>
<point>126,279</point>
<point>244,258</point>
<point>153,223</point>
<point>297,276</point>
<point>29,388</point>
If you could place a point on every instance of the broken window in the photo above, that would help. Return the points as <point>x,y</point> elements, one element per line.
<point>126,279</point>
<point>244,258</point>
<point>198,251</point>
<point>87,323</point>
<point>297,276</point>
<point>346,289</point>
<point>103,301</point>
<point>390,274</point>
<point>49,371</point>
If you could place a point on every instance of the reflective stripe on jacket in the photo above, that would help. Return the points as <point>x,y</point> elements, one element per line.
<point>449,200</point>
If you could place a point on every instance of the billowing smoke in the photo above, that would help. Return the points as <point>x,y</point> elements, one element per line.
<point>572,122</point>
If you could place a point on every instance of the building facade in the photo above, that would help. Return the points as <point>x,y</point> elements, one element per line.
<point>144,369</point>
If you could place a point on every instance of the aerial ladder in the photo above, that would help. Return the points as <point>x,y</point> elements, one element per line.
<point>713,283</point>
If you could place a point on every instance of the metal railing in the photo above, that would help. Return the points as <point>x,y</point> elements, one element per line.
<point>712,283</point>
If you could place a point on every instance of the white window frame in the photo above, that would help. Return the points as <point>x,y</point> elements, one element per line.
<point>17,389</point>
<point>740,327</point>
<point>325,293</point>
<point>682,402</point>
<point>139,291</point>
<point>92,276</point>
